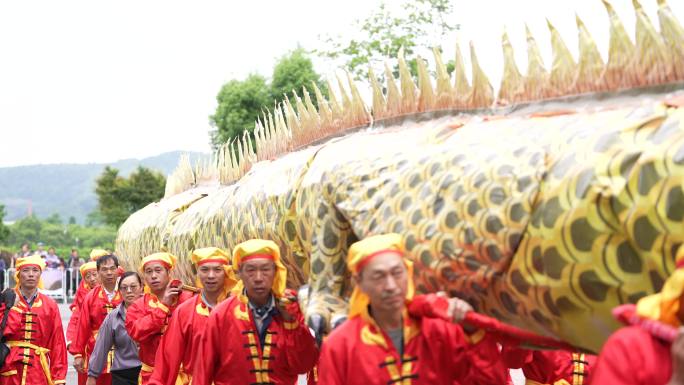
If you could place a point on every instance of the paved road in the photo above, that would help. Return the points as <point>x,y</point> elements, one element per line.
<point>71,379</point>
<point>71,373</point>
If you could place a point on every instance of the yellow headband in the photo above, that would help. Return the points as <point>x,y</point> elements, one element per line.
<point>263,249</point>
<point>210,254</point>
<point>92,265</point>
<point>214,254</point>
<point>361,252</point>
<point>95,254</point>
<point>166,259</point>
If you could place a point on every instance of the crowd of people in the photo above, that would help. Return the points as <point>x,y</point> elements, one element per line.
<point>52,261</point>
<point>241,325</point>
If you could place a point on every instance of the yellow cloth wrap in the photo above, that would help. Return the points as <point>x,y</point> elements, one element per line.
<point>166,259</point>
<point>183,378</point>
<point>42,354</point>
<point>33,260</point>
<point>92,265</point>
<point>261,246</point>
<point>214,254</point>
<point>360,251</point>
<point>169,260</point>
<point>95,254</point>
<point>664,306</point>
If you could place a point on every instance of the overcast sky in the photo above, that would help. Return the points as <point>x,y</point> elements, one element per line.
<point>94,81</point>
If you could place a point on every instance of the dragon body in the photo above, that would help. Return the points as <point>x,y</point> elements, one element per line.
<point>545,207</point>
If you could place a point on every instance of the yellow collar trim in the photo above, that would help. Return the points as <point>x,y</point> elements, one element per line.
<point>372,334</point>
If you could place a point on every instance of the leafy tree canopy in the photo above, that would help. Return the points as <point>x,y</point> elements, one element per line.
<point>119,197</point>
<point>292,72</point>
<point>241,102</point>
<point>62,237</point>
<point>411,24</point>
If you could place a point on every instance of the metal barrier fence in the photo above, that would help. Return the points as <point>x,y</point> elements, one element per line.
<point>59,284</point>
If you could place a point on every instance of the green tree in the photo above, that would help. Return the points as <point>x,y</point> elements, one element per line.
<point>120,197</point>
<point>61,237</point>
<point>411,24</point>
<point>54,234</point>
<point>54,219</point>
<point>26,229</point>
<point>4,230</point>
<point>109,188</point>
<point>72,220</point>
<point>239,104</point>
<point>143,187</point>
<point>292,72</point>
<point>94,218</point>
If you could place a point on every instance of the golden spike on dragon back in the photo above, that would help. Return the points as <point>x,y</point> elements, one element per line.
<point>544,207</point>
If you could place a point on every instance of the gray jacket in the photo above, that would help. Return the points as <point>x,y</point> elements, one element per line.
<point>113,334</point>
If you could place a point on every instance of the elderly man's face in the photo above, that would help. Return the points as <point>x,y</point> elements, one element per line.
<point>258,275</point>
<point>385,280</point>
<point>91,278</point>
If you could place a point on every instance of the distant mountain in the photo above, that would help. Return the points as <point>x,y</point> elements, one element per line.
<point>68,189</point>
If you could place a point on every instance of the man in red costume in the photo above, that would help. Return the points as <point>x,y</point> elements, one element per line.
<point>148,317</point>
<point>550,367</point>
<point>89,280</point>
<point>257,336</point>
<point>636,354</point>
<point>180,344</point>
<point>382,344</point>
<point>95,307</point>
<point>88,272</point>
<point>33,332</point>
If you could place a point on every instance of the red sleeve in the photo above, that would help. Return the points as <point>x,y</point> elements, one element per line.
<point>57,346</point>
<point>301,353</point>
<point>332,362</point>
<point>203,369</point>
<point>170,353</point>
<point>143,326</point>
<point>484,359</point>
<point>617,361</point>
<point>77,299</point>
<point>75,308</point>
<point>72,326</point>
<point>82,334</point>
<point>184,296</point>
<point>515,357</point>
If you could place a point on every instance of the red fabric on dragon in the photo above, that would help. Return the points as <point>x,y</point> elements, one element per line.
<point>627,315</point>
<point>435,306</point>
